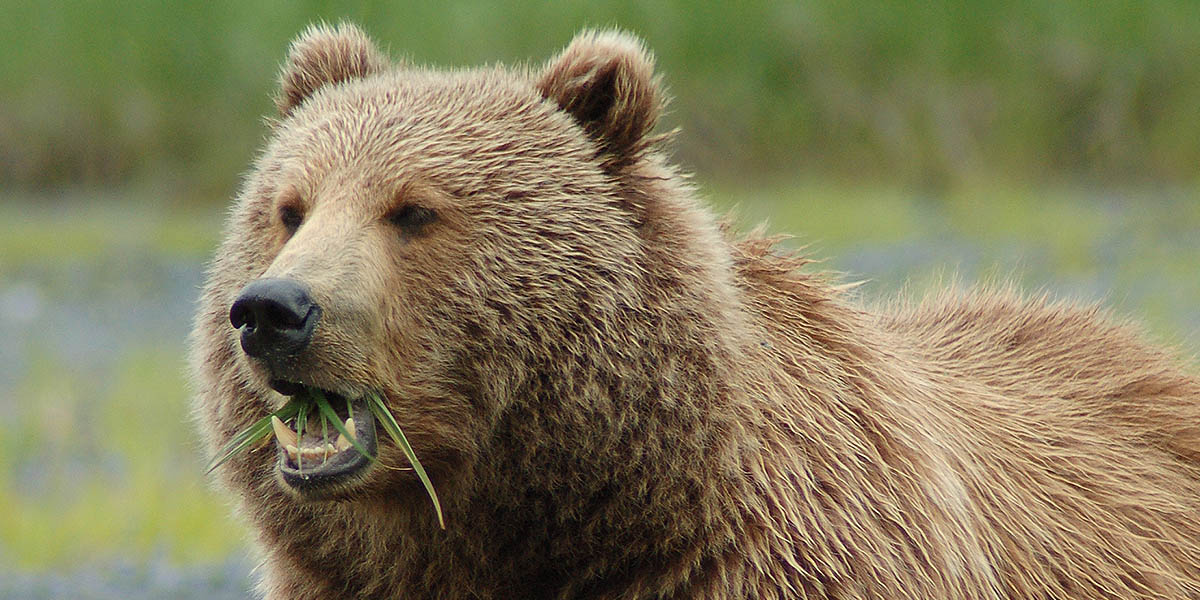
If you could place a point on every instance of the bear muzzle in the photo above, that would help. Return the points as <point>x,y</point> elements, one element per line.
<point>276,317</point>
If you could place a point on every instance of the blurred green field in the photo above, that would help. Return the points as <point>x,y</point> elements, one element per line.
<point>924,95</point>
<point>117,472</point>
<point>98,461</point>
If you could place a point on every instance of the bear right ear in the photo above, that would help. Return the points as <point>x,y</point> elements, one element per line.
<point>324,55</point>
<point>605,80</point>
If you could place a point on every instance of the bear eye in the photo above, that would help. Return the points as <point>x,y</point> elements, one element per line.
<point>291,217</point>
<point>411,218</point>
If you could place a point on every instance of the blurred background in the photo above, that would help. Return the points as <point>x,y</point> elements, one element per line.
<point>1056,144</point>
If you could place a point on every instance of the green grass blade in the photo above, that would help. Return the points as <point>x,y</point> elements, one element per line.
<point>301,421</point>
<point>251,435</point>
<point>389,422</point>
<point>241,441</point>
<point>302,418</point>
<point>328,412</point>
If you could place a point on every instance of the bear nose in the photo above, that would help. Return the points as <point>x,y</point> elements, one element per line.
<point>277,317</point>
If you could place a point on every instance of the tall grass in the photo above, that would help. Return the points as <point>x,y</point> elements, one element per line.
<point>923,94</point>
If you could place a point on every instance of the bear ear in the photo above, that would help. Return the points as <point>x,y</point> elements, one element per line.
<point>324,55</point>
<point>605,80</point>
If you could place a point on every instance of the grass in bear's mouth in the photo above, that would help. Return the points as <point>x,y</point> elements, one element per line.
<point>312,402</point>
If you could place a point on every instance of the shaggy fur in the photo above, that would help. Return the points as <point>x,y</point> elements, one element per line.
<point>617,400</point>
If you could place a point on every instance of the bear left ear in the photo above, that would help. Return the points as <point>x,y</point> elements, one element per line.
<point>324,55</point>
<point>605,80</point>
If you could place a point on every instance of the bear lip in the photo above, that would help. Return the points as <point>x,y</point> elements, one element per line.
<point>287,388</point>
<point>339,469</point>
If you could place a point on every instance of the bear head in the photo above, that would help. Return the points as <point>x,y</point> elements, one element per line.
<point>465,244</point>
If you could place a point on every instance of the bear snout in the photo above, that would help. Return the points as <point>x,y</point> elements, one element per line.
<point>276,317</point>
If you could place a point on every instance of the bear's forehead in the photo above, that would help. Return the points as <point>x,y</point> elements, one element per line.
<point>423,106</point>
<point>470,129</point>
<point>414,115</point>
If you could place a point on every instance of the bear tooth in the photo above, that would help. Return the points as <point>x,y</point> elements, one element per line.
<point>284,433</point>
<point>329,449</point>
<point>342,443</point>
<point>350,428</point>
<point>293,452</point>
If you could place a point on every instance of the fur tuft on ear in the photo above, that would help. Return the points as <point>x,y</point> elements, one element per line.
<point>606,81</point>
<point>324,55</point>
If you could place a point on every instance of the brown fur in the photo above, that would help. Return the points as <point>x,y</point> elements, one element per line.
<point>616,400</point>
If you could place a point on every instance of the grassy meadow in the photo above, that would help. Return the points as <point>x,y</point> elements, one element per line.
<point>905,145</point>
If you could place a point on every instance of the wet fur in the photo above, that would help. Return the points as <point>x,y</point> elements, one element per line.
<point>618,400</point>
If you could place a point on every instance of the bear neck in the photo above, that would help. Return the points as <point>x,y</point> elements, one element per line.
<point>641,464</point>
<point>623,481</point>
<point>610,463</point>
<point>725,437</point>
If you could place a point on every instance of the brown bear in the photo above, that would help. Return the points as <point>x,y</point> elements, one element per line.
<point>615,397</point>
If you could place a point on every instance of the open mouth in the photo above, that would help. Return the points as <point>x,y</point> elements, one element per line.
<point>318,466</point>
<point>315,454</point>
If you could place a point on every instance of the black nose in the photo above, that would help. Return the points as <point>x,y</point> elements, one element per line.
<point>277,317</point>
